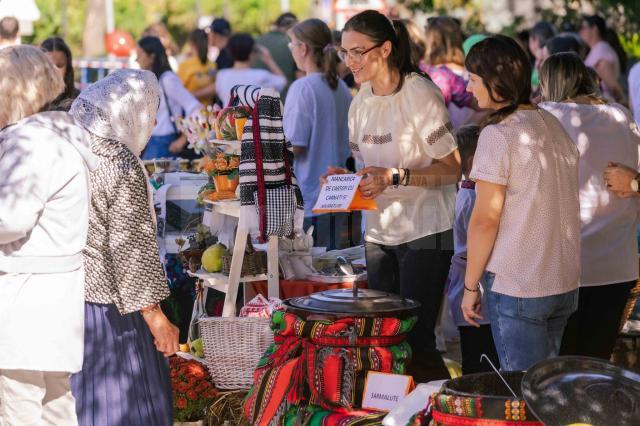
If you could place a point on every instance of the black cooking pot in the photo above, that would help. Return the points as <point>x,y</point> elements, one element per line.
<point>572,389</point>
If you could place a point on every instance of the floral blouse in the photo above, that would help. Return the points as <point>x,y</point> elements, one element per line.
<point>452,85</point>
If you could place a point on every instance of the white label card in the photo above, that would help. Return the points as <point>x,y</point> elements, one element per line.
<point>384,391</point>
<point>337,193</point>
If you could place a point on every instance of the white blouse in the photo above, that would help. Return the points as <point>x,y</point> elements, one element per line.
<point>408,129</point>
<point>603,133</point>
<point>181,103</point>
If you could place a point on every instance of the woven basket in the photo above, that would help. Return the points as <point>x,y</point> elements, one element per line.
<point>232,348</point>
<point>254,262</point>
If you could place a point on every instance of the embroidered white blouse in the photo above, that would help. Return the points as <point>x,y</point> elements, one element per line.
<point>408,129</point>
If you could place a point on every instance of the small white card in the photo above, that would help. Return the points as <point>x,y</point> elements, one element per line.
<point>383,391</point>
<point>337,194</point>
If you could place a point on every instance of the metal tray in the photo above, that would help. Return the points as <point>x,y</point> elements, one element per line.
<point>571,389</point>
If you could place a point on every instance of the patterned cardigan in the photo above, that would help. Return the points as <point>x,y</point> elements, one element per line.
<point>122,261</point>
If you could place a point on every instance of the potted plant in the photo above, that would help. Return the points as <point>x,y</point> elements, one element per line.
<point>223,171</point>
<point>193,391</point>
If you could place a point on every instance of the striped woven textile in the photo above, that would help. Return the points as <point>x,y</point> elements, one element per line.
<point>321,365</point>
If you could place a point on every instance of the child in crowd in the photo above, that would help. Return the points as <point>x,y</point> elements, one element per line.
<point>474,341</point>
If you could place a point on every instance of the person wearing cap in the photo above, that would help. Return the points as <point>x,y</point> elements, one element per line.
<point>276,42</point>
<point>219,33</point>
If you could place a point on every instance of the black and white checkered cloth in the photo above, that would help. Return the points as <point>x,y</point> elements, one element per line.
<point>281,208</point>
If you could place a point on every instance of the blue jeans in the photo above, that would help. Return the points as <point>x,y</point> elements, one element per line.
<point>527,330</point>
<point>158,147</point>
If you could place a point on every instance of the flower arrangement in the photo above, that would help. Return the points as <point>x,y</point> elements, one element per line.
<point>193,391</point>
<point>230,121</point>
<point>223,171</point>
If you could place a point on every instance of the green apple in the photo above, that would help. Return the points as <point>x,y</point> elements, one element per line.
<point>212,258</point>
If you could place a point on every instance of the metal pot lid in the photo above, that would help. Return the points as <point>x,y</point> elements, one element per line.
<point>352,301</point>
<point>572,389</point>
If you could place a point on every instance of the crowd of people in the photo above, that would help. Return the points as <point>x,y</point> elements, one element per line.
<point>504,170</point>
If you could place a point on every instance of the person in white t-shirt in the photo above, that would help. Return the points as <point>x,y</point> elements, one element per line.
<point>242,48</point>
<point>603,133</point>
<point>399,127</point>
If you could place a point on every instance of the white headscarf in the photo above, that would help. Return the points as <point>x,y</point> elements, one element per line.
<point>120,107</point>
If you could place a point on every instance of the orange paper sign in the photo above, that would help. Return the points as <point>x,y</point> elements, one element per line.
<point>341,194</point>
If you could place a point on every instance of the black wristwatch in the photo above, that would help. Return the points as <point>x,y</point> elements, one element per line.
<point>395,177</point>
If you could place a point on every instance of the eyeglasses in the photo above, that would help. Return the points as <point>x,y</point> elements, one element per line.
<point>355,56</point>
<point>292,44</point>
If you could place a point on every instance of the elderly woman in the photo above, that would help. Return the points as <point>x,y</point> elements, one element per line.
<point>125,376</point>
<point>44,209</point>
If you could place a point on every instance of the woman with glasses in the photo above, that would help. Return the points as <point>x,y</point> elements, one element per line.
<point>399,127</point>
<point>315,121</point>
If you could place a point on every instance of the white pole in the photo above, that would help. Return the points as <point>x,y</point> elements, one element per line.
<point>109,15</point>
<point>285,6</point>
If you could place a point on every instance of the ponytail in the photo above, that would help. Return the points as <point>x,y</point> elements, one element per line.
<point>329,65</point>
<point>318,38</point>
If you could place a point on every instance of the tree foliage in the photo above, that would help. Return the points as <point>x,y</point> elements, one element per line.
<point>253,16</point>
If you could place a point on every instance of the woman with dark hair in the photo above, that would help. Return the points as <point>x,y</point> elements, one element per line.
<point>603,132</point>
<point>243,49</point>
<point>175,101</point>
<point>606,56</point>
<point>60,55</point>
<point>315,121</point>
<point>525,226</point>
<point>197,72</point>
<point>399,128</point>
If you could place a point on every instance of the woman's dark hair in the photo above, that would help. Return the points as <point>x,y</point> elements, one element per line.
<point>200,41</point>
<point>542,31</point>
<point>380,29</point>
<point>505,71</point>
<point>610,36</point>
<point>56,44</point>
<point>563,43</point>
<point>444,40</point>
<point>317,36</point>
<point>240,46</point>
<point>467,140</point>
<point>153,46</point>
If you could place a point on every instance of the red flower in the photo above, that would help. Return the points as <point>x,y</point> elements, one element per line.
<point>183,387</point>
<point>181,403</point>
<point>192,395</point>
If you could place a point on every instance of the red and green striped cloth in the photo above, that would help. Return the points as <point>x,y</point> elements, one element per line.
<point>317,368</point>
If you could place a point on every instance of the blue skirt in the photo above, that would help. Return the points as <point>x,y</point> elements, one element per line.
<point>124,380</point>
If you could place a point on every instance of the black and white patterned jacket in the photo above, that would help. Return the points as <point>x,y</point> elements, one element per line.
<point>121,258</point>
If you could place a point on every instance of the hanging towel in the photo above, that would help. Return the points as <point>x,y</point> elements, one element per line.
<point>271,202</point>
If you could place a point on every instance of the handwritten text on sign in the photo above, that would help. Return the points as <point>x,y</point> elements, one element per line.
<point>337,193</point>
<point>384,391</point>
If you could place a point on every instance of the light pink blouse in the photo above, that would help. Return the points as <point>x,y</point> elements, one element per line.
<point>537,249</point>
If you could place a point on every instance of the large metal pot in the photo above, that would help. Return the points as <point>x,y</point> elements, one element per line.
<point>352,303</point>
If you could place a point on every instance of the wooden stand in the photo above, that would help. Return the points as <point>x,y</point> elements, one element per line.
<point>229,284</point>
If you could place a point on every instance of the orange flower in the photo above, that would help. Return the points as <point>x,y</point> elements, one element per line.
<point>181,403</point>
<point>235,162</point>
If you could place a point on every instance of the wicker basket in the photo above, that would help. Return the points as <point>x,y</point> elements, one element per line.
<point>232,348</point>
<point>254,262</point>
